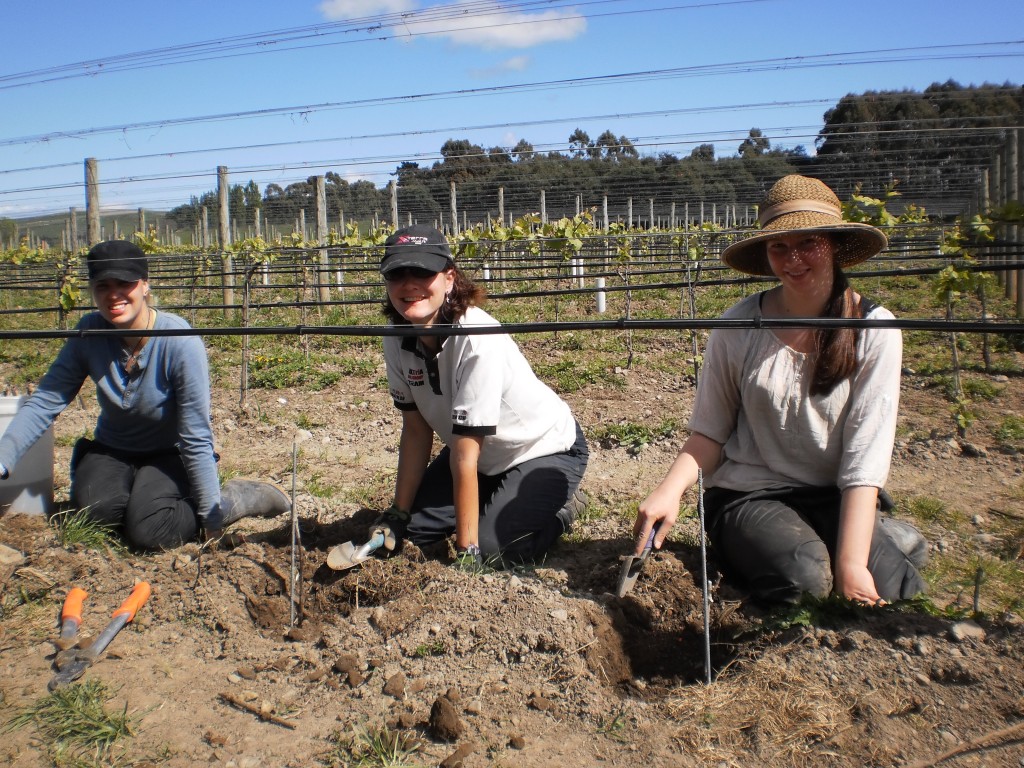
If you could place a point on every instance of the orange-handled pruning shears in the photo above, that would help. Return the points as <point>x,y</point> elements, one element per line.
<point>72,662</point>
<point>71,618</point>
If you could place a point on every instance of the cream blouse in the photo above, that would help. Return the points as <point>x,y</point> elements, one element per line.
<point>753,399</point>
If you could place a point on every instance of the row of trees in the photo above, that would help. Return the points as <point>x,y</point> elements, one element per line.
<point>930,141</point>
<point>589,169</point>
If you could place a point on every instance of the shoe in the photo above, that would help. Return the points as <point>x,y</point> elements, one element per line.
<point>910,541</point>
<point>251,498</point>
<point>574,507</point>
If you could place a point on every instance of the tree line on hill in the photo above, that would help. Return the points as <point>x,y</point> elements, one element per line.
<point>929,141</point>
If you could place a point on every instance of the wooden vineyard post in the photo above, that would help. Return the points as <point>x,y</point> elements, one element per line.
<point>1008,231</point>
<point>320,195</point>
<point>393,194</point>
<point>1013,192</point>
<point>224,230</point>
<point>1019,196</point>
<point>453,208</point>
<point>73,237</point>
<point>995,183</point>
<point>92,202</point>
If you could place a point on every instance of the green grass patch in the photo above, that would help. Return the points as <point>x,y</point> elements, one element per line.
<point>375,493</point>
<point>370,747</point>
<point>291,369</point>
<point>303,421</point>
<point>1011,431</point>
<point>572,375</point>
<point>75,528</point>
<point>433,648</point>
<point>998,583</point>
<point>75,725</point>
<point>633,436</point>
<point>930,510</point>
<point>981,389</point>
<point>318,488</point>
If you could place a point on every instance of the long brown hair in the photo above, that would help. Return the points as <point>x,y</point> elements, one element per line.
<point>464,294</point>
<point>835,348</point>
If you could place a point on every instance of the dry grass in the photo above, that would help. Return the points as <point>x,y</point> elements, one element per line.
<point>768,711</point>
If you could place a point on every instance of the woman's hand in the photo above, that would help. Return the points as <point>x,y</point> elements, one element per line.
<point>699,452</point>
<point>662,505</point>
<point>854,582</point>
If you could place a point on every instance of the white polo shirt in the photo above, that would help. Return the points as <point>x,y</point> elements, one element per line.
<point>480,385</point>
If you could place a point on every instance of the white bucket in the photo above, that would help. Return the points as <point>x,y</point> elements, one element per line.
<point>29,489</point>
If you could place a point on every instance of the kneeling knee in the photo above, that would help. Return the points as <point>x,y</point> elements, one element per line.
<point>808,578</point>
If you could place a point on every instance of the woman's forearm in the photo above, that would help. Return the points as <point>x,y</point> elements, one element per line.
<point>465,463</point>
<point>414,449</point>
<point>856,525</point>
<point>857,513</point>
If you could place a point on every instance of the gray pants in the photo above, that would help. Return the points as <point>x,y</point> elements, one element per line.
<point>780,543</point>
<point>519,509</point>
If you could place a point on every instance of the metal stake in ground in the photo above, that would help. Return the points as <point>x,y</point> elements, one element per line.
<point>294,575</point>
<point>705,586</point>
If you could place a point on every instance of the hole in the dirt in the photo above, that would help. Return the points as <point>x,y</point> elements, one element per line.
<point>661,626</point>
<point>654,634</point>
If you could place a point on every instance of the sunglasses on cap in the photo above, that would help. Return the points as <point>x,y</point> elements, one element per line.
<point>418,273</point>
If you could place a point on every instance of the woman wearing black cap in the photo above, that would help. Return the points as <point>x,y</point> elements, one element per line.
<point>150,469</point>
<point>506,482</point>
<point>794,428</point>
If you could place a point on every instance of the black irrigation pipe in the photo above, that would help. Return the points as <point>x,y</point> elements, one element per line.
<point>569,292</point>
<point>939,326</point>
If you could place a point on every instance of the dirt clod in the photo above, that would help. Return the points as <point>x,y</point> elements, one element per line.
<point>445,723</point>
<point>395,686</point>
<point>456,758</point>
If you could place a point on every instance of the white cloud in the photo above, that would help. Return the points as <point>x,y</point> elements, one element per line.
<point>356,9</point>
<point>514,64</point>
<point>516,30</point>
<point>486,30</point>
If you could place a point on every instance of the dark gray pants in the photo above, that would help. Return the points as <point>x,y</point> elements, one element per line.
<point>519,518</point>
<point>780,543</point>
<point>144,496</point>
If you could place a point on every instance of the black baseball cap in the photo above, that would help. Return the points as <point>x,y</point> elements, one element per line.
<point>117,260</point>
<point>417,246</point>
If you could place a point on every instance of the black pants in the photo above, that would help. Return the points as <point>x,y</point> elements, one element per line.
<point>781,542</point>
<point>519,518</point>
<point>145,496</point>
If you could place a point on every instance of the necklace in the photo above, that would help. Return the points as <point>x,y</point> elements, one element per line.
<point>131,364</point>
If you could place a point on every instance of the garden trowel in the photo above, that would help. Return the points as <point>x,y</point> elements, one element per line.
<point>633,564</point>
<point>348,555</point>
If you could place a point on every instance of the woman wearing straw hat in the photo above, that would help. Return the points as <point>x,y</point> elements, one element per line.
<point>794,427</point>
<point>150,470</point>
<point>506,482</point>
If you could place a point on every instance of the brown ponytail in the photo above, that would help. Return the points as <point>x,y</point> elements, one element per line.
<point>835,348</point>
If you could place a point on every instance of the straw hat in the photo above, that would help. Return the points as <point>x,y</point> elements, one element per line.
<point>799,204</point>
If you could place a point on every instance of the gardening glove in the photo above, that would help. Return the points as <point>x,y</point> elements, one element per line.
<point>469,559</point>
<point>4,474</point>
<point>391,524</point>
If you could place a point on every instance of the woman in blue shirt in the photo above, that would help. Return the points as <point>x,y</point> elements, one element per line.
<point>150,469</point>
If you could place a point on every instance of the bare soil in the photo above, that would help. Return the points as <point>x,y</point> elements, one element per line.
<point>538,667</point>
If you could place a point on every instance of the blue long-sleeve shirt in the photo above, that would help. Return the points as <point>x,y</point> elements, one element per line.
<point>165,403</point>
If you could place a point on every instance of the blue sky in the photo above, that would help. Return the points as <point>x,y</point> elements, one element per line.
<point>398,91</point>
